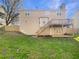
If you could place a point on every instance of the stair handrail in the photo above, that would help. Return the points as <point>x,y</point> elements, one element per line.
<point>44,27</point>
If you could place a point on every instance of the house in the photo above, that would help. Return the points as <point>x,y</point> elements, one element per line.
<point>2,21</point>
<point>45,22</point>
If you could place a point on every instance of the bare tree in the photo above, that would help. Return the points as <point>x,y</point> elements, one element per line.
<point>11,9</point>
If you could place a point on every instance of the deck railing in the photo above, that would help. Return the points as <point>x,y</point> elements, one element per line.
<point>53,22</point>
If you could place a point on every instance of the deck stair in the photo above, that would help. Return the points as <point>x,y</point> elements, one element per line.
<point>43,27</point>
<point>52,22</point>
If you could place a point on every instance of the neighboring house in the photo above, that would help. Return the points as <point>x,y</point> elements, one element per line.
<point>76,22</point>
<point>45,23</point>
<point>1,10</point>
<point>2,18</point>
<point>2,21</point>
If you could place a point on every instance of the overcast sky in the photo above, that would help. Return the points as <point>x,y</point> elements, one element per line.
<point>71,5</point>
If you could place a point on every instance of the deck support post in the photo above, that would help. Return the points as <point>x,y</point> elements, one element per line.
<point>62,28</point>
<point>73,30</point>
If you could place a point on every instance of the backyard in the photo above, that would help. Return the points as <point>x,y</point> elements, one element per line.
<point>19,46</point>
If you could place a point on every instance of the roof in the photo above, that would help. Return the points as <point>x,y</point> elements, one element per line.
<point>2,10</point>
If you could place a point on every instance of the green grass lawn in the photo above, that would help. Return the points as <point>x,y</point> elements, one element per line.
<point>19,46</point>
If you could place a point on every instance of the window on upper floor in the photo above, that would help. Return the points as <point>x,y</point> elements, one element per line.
<point>27,13</point>
<point>58,13</point>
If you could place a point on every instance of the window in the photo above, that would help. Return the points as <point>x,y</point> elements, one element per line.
<point>27,13</point>
<point>43,21</point>
<point>15,21</point>
<point>58,13</point>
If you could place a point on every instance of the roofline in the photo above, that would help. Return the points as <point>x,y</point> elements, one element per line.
<point>37,10</point>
